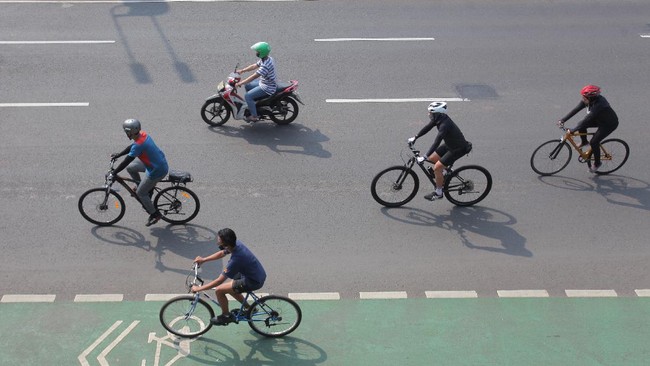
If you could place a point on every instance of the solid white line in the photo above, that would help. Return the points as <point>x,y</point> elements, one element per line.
<point>315,296</point>
<point>56,42</point>
<point>372,39</point>
<point>396,100</point>
<point>102,356</point>
<point>82,357</point>
<point>450,294</point>
<point>643,293</point>
<point>522,293</point>
<point>133,1</point>
<point>99,298</point>
<point>383,295</point>
<point>9,105</point>
<point>27,298</point>
<point>590,293</point>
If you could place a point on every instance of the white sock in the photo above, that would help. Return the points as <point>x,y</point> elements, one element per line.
<point>439,191</point>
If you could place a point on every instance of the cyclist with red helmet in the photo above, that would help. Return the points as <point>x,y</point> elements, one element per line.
<point>599,115</point>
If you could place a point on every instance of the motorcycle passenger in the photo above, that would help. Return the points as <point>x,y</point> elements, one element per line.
<point>442,154</point>
<point>267,83</point>
<point>599,114</point>
<point>143,156</point>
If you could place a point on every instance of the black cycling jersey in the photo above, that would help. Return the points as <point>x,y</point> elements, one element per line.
<point>599,114</point>
<point>448,132</point>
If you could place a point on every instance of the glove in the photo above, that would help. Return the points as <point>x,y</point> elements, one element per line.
<point>411,140</point>
<point>115,156</point>
<point>420,159</point>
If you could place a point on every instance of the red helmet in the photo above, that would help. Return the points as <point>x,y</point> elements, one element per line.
<point>590,91</point>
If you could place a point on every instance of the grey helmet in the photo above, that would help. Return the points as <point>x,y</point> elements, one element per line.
<point>131,127</point>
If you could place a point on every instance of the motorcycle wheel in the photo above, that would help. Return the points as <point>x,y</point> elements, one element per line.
<point>284,111</point>
<point>215,112</point>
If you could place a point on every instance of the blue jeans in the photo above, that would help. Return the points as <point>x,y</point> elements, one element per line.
<point>254,92</point>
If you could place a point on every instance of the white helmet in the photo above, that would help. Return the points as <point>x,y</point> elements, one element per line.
<point>438,107</point>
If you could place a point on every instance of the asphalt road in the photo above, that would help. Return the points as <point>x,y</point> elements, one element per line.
<point>298,195</point>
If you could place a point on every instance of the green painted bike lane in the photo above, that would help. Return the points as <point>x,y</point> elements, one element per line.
<point>482,331</point>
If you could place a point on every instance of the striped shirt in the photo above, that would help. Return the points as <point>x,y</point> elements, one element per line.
<point>266,72</point>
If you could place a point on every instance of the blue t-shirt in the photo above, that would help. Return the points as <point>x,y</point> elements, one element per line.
<point>266,72</point>
<point>243,261</point>
<point>153,158</point>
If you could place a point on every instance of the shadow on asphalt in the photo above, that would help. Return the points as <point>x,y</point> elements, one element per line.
<point>483,221</point>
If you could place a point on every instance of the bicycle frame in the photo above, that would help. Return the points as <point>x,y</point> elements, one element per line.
<point>238,316</point>
<point>428,171</point>
<point>584,155</point>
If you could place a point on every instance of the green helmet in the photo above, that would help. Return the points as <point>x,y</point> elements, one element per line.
<point>262,48</point>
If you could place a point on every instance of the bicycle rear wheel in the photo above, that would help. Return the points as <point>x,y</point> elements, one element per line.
<point>274,316</point>
<point>468,185</point>
<point>395,186</point>
<point>186,316</point>
<point>550,157</point>
<point>101,208</point>
<point>613,154</point>
<point>177,204</point>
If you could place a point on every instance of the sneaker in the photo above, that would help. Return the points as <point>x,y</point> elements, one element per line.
<point>252,119</point>
<point>154,218</point>
<point>223,319</point>
<point>594,168</point>
<point>433,196</point>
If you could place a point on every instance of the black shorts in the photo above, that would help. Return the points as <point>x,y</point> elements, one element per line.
<point>448,157</point>
<point>242,285</point>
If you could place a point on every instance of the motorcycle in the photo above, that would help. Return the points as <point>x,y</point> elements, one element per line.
<point>281,107</point>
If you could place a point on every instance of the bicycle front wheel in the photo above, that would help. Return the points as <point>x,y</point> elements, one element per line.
<point>468,185</point>
<point>274,316</point>
<point>613,154</point>
<point>101,208</point>
<point>550,157</point>
<point>177,204</point>
<point>186,316</point>
<point>395,186</point>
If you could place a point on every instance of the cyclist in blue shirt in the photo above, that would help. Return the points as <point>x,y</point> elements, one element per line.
<point>267,83</point>
<point>143,156</point>
<point>243,273</point>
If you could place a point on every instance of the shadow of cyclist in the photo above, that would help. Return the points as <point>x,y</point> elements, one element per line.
<point>485,222</point>
<point>290,139</point>
<point>623,191</point>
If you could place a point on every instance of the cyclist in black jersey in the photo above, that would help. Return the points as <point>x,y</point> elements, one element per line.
<point>599,114</point>
<point>448,146</point>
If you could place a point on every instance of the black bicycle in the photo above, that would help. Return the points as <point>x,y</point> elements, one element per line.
<point>104,206</point>
<point>189,316</point>
<point>397,185</point>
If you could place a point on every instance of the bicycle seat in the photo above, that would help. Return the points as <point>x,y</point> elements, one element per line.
<point>180,176</point>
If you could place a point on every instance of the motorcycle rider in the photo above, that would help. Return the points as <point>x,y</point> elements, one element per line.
<point>267,83</point>
<point>143,156</point>
<point>442,154</point>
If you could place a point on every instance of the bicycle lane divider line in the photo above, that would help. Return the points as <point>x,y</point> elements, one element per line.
<point>397,100</point>
<point>27,298</point>
<point>30,105</point>
<point>642,292</point>
<point>55,42</point>
<point>522,293</point>
<point>99,298</point>
<point>357,39</point>
<point>591,293</point>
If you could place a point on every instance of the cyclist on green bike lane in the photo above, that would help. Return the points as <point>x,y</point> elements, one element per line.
<point>448,146</point>
<point>143,156</point>
<point>243,273</point>
<point>599,114</point>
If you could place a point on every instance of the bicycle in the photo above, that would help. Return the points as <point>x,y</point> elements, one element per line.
<point>104,206</point>
<point>553,156</point>
<point>397,185</point>
<point>188,316</point>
